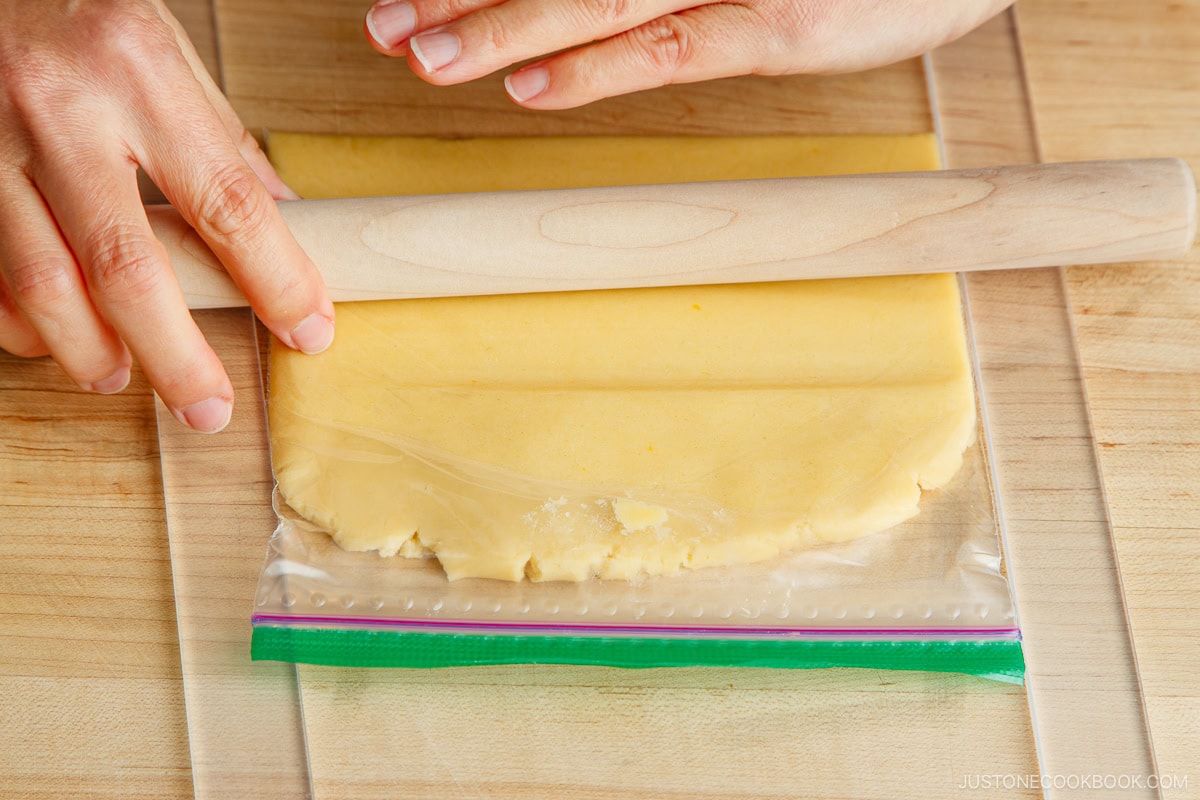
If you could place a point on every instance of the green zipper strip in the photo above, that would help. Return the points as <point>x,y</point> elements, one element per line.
<point>999,660</point>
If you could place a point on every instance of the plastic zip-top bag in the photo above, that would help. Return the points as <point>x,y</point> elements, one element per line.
<point>786,475</point>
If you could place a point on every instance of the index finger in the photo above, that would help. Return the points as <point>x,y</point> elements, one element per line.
<point>201,171</point>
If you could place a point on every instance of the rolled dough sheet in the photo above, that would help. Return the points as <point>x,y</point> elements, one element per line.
<point>621,433</point>
<point>337,166</point>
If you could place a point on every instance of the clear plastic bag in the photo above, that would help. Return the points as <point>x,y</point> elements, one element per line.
<point>930,591</point>
<point>928,594</point>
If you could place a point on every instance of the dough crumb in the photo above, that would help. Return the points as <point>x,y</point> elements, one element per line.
<point>532,570</point>
<point>637,516</point>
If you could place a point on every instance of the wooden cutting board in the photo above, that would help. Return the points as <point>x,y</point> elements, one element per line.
<point>89,631</point>
<point>370,734</point>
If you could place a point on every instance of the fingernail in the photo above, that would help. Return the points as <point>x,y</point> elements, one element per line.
<point>113,383</point>
<point>435,50</point>
<point>390,23</point>
<point>527,83</point>
<point>207,416</point>
<point>313,335</point>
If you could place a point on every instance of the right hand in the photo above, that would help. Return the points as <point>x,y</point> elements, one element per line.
<point>89,91</point>
<point>588,49</point>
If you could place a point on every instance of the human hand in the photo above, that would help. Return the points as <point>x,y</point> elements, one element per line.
<point>90,91</point>
<point>619,46</point>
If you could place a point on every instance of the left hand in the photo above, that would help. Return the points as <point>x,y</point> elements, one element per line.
<point>613,47</point>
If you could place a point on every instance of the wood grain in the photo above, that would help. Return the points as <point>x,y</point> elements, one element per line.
<point>87,623</point>
<point>1080,668</point>
<point>316,73</point>
<point>1109,78</point>
<point>90,696</point>
<point>691,234</point>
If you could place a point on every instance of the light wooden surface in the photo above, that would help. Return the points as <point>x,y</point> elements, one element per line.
<point>1109,77</point>
<point>90,694</point>
<point>851,226</point>
<point>90,691</point>
<point>1081,677</point>
<point>593,733</point>
<point>314,74</point>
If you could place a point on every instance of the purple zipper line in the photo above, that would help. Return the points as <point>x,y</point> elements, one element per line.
<point>294,619</point>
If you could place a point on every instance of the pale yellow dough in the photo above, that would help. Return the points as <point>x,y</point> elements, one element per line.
<point>616,434</point>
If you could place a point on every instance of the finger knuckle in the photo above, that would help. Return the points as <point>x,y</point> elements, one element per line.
<point>610,12</point>
<point>586,80</point>
<point>449,10</point>
<point>800,23</point>
<point>494,33</point>
<point>40,284</point>
<point>666,45</point>
<point>32,87</point>
<point>130,31</point>
<point>125,268</point>
<point>42,82</point>
<point>235,206</point>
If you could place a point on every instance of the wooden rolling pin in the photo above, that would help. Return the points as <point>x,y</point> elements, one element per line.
<point>724,232</point>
